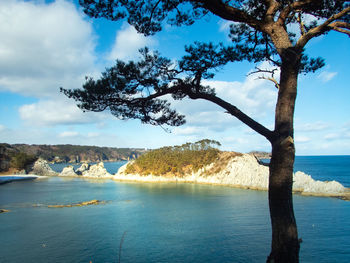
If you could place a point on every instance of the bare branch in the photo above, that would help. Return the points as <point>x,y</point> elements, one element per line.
<point>301,24</point>
<point>277,85</point>
<point>259,70</point>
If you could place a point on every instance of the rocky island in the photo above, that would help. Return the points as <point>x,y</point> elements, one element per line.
<point>196,163</point>
<point>204,164</point>
<point>241,171</point>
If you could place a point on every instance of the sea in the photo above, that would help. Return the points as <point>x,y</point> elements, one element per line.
<point>166,222</point>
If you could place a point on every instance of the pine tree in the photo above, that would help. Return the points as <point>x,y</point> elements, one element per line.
<point>259,32</point>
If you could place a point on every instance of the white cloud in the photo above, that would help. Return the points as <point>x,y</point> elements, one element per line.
<point>337,136</point>
<point>43,46</point>
<point>93,134</point>
<point>57,112</point>
<point>311,127</point>
<point>302,139</point>
<point>224,25</point>
<point>186,131</point>
<point>332,136</point>
<point>326,76</point>
<point>2,128</point>
<point>128,42</point>
<point>68,134</point>
<point>255,97</point>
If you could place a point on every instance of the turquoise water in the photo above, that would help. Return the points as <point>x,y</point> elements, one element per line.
<point>325,168</point>
<point>161,222</point>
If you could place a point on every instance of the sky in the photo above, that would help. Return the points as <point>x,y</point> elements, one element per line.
<point>46,45</point>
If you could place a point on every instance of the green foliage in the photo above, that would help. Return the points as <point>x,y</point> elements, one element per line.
<point>72,153</point>
<point>176,160</point>
<point>21,160</point>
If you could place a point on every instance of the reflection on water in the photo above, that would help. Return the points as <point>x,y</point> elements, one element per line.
<point>163,222</point>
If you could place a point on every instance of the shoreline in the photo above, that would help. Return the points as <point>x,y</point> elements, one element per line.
<point>151,179</point>
<point>4,179</point>
<point>163,180</point>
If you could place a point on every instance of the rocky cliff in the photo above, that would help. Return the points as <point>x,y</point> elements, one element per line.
<point>242,171</point>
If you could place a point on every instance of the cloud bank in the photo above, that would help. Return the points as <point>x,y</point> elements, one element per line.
<point>43,47</point>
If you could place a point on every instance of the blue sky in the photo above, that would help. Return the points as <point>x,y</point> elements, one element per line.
<point>50,44</point>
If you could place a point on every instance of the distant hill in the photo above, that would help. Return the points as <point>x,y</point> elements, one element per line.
<point>68,153</point>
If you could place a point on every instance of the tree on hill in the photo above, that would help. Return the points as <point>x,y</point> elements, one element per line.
<point>21,160</point>
<point>260,31</point>
<point>176,160</point>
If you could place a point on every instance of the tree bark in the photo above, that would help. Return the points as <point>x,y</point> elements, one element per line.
<point>285,243</point>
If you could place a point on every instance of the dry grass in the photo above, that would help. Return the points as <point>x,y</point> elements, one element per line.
<point>221,162</point>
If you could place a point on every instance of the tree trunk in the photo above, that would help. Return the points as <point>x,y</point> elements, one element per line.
<point>285,244</point>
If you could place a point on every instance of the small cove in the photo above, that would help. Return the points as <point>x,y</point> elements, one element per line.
<point>165,222</point>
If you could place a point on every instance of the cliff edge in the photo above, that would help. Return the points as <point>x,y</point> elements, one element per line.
<point>241,171</point>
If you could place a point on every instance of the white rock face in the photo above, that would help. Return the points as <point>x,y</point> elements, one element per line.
<point>41,167</point>
<point>86,170</point>
<point>68,171</point>
<point>242,171</point>
<point>305,184</point>
<point>97,171</point>
<point>84,167</point>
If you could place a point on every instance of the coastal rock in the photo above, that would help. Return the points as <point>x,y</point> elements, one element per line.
<point>41,167</point>
<point>85,203</point>
<point>83,168</point>
<point>97,171</point>
<point>68,171</point>
<point>242,171</point>
<point>305,184</point>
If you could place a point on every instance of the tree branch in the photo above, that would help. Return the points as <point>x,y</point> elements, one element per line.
<point>230,13</point>
<point>342,30</point>
<point>234,111</point>
<point>272,8</point>
<point>295,5</point>
<point>277,85</point>
<point>301,24</point>
<point>272,78</point>
<point>326,26</point>
<point>341,27</point>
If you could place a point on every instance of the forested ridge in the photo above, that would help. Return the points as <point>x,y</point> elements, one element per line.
<point>177,160</point>
<point>67,153</point>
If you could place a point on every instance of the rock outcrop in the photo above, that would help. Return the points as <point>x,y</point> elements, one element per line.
<point>96,171</point>
<point>41,167</point>
<point>305,184</point>
<point>85,203</point>
<point>83,168</point>
<point>68,171</point>
<point>245,172</point>
<point>86,170</point>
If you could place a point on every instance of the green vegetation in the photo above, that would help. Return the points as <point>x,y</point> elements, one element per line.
<point>176,160</point>
<point>69,153</point>
<point>21,160</point>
